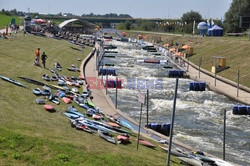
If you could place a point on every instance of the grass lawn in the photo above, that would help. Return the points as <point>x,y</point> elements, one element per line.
<point>235,49</point>
<point>5,20</point>
<point>31,136</point>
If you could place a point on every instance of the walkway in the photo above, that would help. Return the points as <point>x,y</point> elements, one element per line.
<point>221,85</point>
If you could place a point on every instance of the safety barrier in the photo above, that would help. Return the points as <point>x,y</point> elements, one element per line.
<point>107,72</point>
<point>175,73</point>
<point>197,86</point>
<point>241,110</point>
<point>163,128</point>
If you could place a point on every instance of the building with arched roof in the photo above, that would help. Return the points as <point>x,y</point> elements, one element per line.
<point>77,26</point>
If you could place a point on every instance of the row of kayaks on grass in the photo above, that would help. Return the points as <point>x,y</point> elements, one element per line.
<point>197,158</point>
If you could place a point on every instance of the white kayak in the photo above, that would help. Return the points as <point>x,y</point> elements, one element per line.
<point>191,161</point>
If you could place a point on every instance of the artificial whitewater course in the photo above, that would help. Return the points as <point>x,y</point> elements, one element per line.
<point>199,115</point>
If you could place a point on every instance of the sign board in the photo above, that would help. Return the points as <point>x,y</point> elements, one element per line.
<point>141,98</point>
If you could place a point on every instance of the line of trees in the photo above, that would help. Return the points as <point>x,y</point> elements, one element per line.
<point>184,25</point>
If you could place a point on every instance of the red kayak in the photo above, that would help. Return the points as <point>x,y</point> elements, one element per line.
<point>81,77</point>
<point>113,124</point>
<point>66,100</point>
<point>96,117</point>
<point>123,138</point>
<point>146,143</point>
<point>49,108</point>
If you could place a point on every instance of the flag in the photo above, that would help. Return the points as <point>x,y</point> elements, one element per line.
<point>212,22</point>
<point>222,20</point>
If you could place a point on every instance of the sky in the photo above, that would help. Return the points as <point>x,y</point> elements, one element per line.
<point>136,8</point>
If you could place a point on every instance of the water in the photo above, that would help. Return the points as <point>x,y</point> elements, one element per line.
<point>199,115</point>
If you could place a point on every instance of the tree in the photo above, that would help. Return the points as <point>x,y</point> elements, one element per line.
<point>127,25</point>
<point>232,17</point>
<point>191,16</point>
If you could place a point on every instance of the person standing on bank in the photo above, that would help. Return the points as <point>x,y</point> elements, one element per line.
<point>37,52</point>
<point>44,57</point>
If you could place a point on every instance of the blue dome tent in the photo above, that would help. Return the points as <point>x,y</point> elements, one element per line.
<point>215,31</point>
<point>202,27</point>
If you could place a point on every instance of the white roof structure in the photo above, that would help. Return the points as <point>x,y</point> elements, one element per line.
<point>66,22</point>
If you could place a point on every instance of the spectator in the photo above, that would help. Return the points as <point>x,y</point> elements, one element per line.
<point>44,57</point>
<point>37,54</point>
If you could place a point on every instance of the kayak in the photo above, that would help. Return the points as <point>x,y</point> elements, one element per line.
<point>96,117</point>
<point>108,137</point>
<point>191,161</point>
<point>66,100</point>
<point>40,101</point>
<point>37,91</point>
<point>12,81</point>
<point>125,124</point>
<point>49,108</point>
<point>83,127</point>
<point>113,124</point>
<point>146,143</point>
<point>32,81</point>
<point>221,162</point>
<point>174,152</point>
<point>123,139</point>
<point>90,103</point>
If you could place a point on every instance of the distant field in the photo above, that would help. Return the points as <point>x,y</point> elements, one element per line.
<point>31,136</point>
<point>235,49</point>
<point>6,20</point>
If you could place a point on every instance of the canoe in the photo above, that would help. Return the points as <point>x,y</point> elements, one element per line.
<point>66,100</point>
<point>108,137</point>
<point>146,143</point>
<point>12,81</point>
<point>49,108</point>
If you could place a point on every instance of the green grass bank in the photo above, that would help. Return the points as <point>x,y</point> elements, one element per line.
<point>5,20</point>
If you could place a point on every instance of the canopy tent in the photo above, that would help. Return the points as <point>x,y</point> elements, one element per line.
<point>215,31</point>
